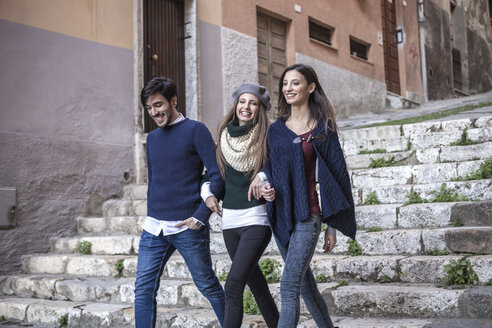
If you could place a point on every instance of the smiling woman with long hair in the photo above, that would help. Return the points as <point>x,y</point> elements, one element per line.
<point>303,150</point>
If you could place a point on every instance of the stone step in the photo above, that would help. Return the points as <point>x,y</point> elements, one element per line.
<point>385,216</point>
<point>355,299</point>
<point>406,268</point>
<point>135,191</point>
<point>412,174</point>
<point>114,245</point>
<point>124,207</point>
<point>473,189</point>
<point>391,185</point>
<point>391,216</point>
<point>442,154</point>
<point>428,127</point>
<point>94,315</point>
<point>392,241</point>
<point>415,141</point>
<point>125,225</point>
<point>418,241</point>
<point>405,300</point>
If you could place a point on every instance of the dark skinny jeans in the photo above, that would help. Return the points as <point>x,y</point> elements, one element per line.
<point>245,246</point>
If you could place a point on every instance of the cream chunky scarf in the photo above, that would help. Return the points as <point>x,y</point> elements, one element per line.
<point>237,150</point>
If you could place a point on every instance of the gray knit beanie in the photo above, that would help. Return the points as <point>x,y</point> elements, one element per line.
<point>258,90</point>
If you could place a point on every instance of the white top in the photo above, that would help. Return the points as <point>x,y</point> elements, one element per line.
<point>232,218</point>
<point>154,226</point>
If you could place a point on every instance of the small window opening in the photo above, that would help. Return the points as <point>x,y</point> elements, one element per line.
<point>358,48</point>
<point>319,32</point>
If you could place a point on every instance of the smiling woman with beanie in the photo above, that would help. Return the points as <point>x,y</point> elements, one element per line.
<point>241,154</point>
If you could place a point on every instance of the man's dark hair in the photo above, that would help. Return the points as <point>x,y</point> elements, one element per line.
<point>165,86</point>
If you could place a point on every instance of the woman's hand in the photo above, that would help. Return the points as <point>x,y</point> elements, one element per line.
<point>255,188</point>
<point>268,192</point>
<point>213,205</point>
<point>330,241</point>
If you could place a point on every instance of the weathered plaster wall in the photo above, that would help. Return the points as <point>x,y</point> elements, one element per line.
<point>479,44</point>
<point>66,132</point>
<point>212,105</point>
<point>472,37</point>
<point>438,52</point>
<point>348,92</point>
<point>239,62</point>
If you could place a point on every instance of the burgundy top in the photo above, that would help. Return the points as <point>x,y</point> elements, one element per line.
<point>309,156</point>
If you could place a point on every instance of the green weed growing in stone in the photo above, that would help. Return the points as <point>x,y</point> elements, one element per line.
<point>119,266</point>
<point>270,269</point>
<point>409,144</point>
<point>223,275</point>
<point>84,247</point>
<point>320,278</point>
<point>385,279</point>
<point>340,284</point>
<point>413,197</point>
<point>374,151</point>
<point>447,195</point>
<point>464,141</point>
<point>460,272</point>
<point>63,320</point>
<point>381,162</point>
<point>354,248</point>
<point>458,223</point>
<point>436,252</point>
<point>374,229</point>
<point>249,303</point>
<point>371,199</point>
<point>489,283</point>
<point>2,318</point>
<point>483,172</point>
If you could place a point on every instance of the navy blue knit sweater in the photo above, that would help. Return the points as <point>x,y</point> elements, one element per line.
<point>176,156</point>
<point>285,171</point>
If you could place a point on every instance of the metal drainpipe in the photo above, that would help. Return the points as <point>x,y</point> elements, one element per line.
<point>423,64</point>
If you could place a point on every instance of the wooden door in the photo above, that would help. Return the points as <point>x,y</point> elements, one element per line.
<point>390,46</point>
<point>164,47</point>
<point>272,57</point>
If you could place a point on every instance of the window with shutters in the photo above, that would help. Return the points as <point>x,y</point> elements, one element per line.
<point>320,32</point>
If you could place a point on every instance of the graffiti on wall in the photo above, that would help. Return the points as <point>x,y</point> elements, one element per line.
<point>413,55</point>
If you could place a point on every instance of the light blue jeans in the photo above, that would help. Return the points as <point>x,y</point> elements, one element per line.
<point>153,254</point>
<point>297,277</point>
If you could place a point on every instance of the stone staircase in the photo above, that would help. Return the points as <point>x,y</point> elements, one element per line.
<point>398,281</point>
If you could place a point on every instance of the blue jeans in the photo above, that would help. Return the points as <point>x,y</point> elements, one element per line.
<point>297,277</point>
<point>153,254</point>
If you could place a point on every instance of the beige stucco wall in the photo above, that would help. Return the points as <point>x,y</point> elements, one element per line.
<point>109,21</point>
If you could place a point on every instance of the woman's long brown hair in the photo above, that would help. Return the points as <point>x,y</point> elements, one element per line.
<point>258,149</point>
